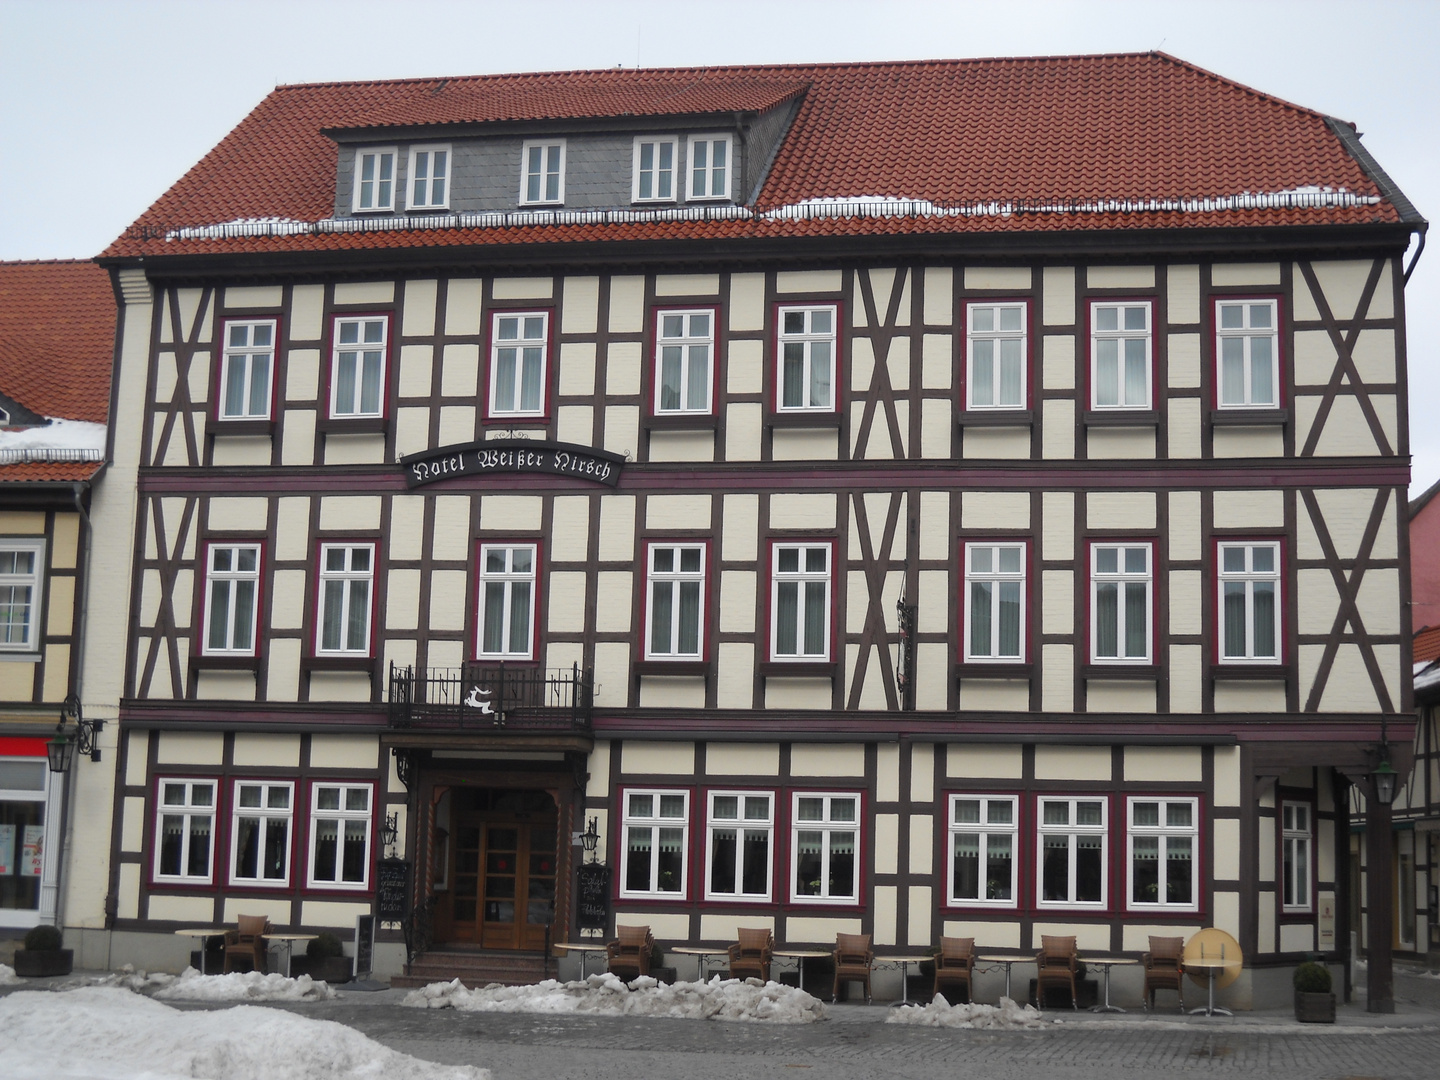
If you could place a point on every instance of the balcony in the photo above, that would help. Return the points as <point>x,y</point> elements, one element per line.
<point>491,697</point>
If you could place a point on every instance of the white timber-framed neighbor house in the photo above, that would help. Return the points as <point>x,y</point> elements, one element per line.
<point>868,540</point>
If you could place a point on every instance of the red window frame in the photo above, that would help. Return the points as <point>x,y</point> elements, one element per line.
<point>202,581</point>
<point>386,376</point>
<point>1282,602</point>
<point>321,543</point>
<point>1021,856</point>
<point>1199,857</point>
<point>308,886</point>
<point>707,596</point>
<point>478,608</point>
<point>488,415</point>
<point>292,882</point>
<point>217,371</point>
<point>1153,543</point>
<point>1027,596</point>
<point>1028,379</point>
<point>651,385</point>
<point>832,635</point>
<point>1282,366</point>
<point>838,370</point>
<point>219,833</point>
<point>1091,302</point>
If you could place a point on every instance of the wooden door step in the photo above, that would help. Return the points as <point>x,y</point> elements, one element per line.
<point>476,967</point>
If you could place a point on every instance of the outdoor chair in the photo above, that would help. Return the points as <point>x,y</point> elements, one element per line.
<point>750,956</point>
<point>1164,968</point>
<point>248,942</point>
<point>955,965</point>
<point>1056,964</point>
<point>853,957</point>
<point>629,953</point>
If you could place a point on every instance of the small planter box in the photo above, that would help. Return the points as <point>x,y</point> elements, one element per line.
<point>1314,1008</point>
<point>37,965</point>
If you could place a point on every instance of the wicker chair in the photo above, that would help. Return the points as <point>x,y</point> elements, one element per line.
<point>853,957</point>
<point>248,942</point>
<point>1056,964</point>
<point>955,965</point>
<point>629,954</point>
<point>1164,968</point>
<point>750,956</point>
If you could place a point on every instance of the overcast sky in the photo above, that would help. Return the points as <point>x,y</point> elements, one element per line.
<point>105,103</point>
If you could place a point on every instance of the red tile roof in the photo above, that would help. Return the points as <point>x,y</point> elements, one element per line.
<point>1427,644</point>
<point>33,471</point>
<point>57,338</point>
<point>1049,131</point>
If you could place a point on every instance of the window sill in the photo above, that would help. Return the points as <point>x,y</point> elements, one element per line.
<point>224,663</point>
<point>1248,417</point>
<point>672,668</point>
<point>1121,418</point>
<point>800,419</point>
<point>996,418</point>
<point>1120,671</point>
<point>806,669</point>
<point>682,422</point>
<point>219,428</point>
<point>521,420</point>
<point>1269,670</point>
<point>19,657</point>
<point>986,669</point>
<point>360,425</point>
<point>325,662</point>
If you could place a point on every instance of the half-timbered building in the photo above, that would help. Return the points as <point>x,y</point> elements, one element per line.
<point>922,498</point>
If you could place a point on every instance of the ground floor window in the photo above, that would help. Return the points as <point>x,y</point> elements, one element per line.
<point>261,834</point>
<point>655,828</point>
<point>340,835</point>
<point>1072,852</point>
<point>1295,855</point>
<point>825,843</point>
<point>24,786</point>
<point>982,849</point>
<point>740,827</point>
<point>1163,834</point>
<point>185,830</point>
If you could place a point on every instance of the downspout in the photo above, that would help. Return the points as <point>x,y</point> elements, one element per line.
<point>1416,257</point>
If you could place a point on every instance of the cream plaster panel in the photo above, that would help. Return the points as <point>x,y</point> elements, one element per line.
<point>1058,607</point>
<point>1385,406</point>
<point>933,602</point>
<point>451,654</point>
<point>1057,525</point>
<point>1059,363</point>
<point>932,675</point>
<point>922,774</point>
<point>359,752</point>
<point>1346,512</point>
<point>57,667</point>
<point>166,378</point>
<point>1388,657</point>
<point>791,511</point>
<point>827,759</point>
<point>612,656</point>
<point>613,601</point>
<point>1349,688</point>
<point>622,430</point>
<point>1374,356</point>
<point>995,695</point>
<point>677,512</point>
<point>287,600</point>
<point>524,288</point>
<point>238,515</point>
<point>936,417</point>
<point>412,432</point>
<point>137,758</point>
<point>1314,357</point>
<point>449,599</point>
<point>1164,764</point>
<point>1379,601</point>
<point>887,772</point>
<point>187,910</point>
<point>331,913</point>
<point>934,525</point>
<point>1186,678</point>
<point>622,368</point>
<point>1249,695</point>
<point>995,510</point>
<point>1346,432</point>
<point>1120,695</point>
<point>1057,689</point>
<point>1120,277</point>
<point>577,367</point>
<point>747,302</point>
<point>558,654</point>
<point>1242,442</point>
<point>727,927</point>
<point>1120,510</point>
<point>815,930</point>
<point>511,513</point>
<point>1059,304</point>
<point>862,364</point>
<point>735,679</point>
<point>809,281</point>
<point>1183,360</point>
<point>897,362</point>
<point>1317,599</point>
<point>402,600</point>
<point>998,277</point>
<point>576,424</point>
<point>1184,532</point>
<point>737,602</point>
<point>1184,428</point>
<point>462,307</point>
<point>672,692</point>
<point>742,431</point>
<point>1245,274</point>
<point>803,444</point>
<point>1072,763</point>
<point>1186,601</point>
<point>64,540</point>
<point>190,747</point>
<point>1263,509</point>
<point>640,758</point>
<point>1226,849</point>
<point>267,751</point>
<point>17,680</point>
<point>450,537</point>
<point>617,528</point>
<point>1087,938</point>
<point>797,693</point>
<point>581,303</point>
<point>61,615</point>
<point>687,284</point>
<point>1297,937</point>
<point>1129,444</point>
<point>1382,305</point>
<point>1227,775</point>
<point>132,828</point>
<point>739,523</point>
<point>993,443</point>
<point>339,686</point>
<point>1342,282</point>
<point>1183,287</point>
<point>365,292</point>
<point>598,785</point>
<point>569,528</point>
<point>407,520</point>
<point>349,512</point>
<point>674,928</point>
<point>460,371</point>
<point>937,362</point>
<point>1058,433</point>
<point>984,762</point>
<point>254,296</point>
<point>745,367</point>
<point>883,909</point>
<point>887,843</point>
<point>368,449</point>
<point>627,305</point>
<point>418,313</point>
<point>939,295</point>
<point>307,312</point>
<point>742,759</point>
<point>921,904</point>
<point>997,935</point>
<point>874,689</point>
<point>241,450</point>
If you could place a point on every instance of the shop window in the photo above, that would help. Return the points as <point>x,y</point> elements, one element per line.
<point>741,827</point>
<point>982,850</point>
<point>260,834</point>
<point>184,831</point>
<point>825,841</point>
<point>656,844</point>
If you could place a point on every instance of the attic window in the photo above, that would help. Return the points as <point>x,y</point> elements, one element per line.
<point>4,416</point>
<point>709,157</point>
<point>429,177</point>
<point>654,170</point>
<point>542,173</point>
<point>374,181</point>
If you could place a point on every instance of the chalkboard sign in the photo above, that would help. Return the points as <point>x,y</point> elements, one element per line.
<point>592,894</point>
<point>392,885</point>
<point>364,945</point>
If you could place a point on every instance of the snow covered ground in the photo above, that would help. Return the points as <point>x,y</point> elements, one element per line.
<point>940,1013</point>
<point>110,1033</point>
<point>719,999</point>
<point>190,985</point>
<point>7,974</point>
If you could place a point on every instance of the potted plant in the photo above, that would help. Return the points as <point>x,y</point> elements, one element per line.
<point>325,960</point>
<point>1314,1003</point>
<point>42,954</point>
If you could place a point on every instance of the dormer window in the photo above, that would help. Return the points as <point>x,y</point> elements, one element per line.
<point>429,177</point>
<point>654,170</point>
<point>374,181</point>
<point>542,173</point>
<point>709,157</point>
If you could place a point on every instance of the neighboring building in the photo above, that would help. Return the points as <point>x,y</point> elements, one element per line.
<point>57,343</point>
<point>1425,560</point>
<point>914,498</point>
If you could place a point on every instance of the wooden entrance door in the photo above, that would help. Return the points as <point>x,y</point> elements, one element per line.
<point>504,881</point>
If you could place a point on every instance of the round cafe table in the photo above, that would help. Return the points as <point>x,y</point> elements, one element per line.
<point>289,942</point>
<point>204,934</point>
<point>584,948</point>
<point>904,962</point>
<point>1107,962</point>
<point>702,957</point>
<point>799,955</point>
<point>995,958</point>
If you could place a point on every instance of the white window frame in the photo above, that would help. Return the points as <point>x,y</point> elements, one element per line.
<point>10,583</point>
<point>686,342</point>
<point>1297,836</point>
<point>427,201</point>
<point>994,577</point>
<point>655,821</point>
<point>802,576</point>
<point>187,810</point>
<point>1249,577</point>
<point>826,826</point>
<point>246,356</point>
<point>808,340</point>
<point>995,337</point>
<point>1121,334</point>
<point>266,817</point>
<point>1123,580</point>
<point>339,583</point>
<point>637,171</point>
<point>542,176</point>
<point>700,183</point>
<point>506,580</point>
<point>984,830</point>
<point>375,205</point>
<point>743,826</point>
<point>1247,334</point>
<point>356,409</point>
<point>1165,835</point>
<point>673,580</point>
<point>1072,831</point>
<point>342,816</point>
<point>519,346</point>
<point>229,580</point>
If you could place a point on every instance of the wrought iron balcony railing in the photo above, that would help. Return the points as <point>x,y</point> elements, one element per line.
<point>478,697</point>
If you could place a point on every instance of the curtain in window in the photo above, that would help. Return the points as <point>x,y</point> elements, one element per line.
<point>219,614</point>
<point>1232,371</point>
<point>505,379</point>
<point>755,877</point>
<point>1145,869</point>
<point>530,380</point>
<point>519,617</point>
<point>1009,644</point>
<point>982,373</point>
<point>787,618</point>
<point>259,384</point>
<point>820,374</point>
<point>1107,619</point>
<point>345,382</point>
<point>689,618</point>
<point>1264,601</point>
<point>670,377</point>
<point>966,877</point>
<point>723,850</point>
<point>235,386</point>
<point>697,389</point>
<point>1107,372</point>
<point>333,610</point>
<point>277,834</point>
<point>1010,393</point>
<point>998,874</point>
<point>1262,372</point>
<point>1235,618</point>
<point>814,618</point>
<point>1136,619</point>
<point>1088,869</point>
<point>793,375</point>
<point>494,630</point>
<point>1055,868</point>
<point>661,616</point>
<point>980,618</point>
<point>1135,371</point>
<point>327,844</point>
<point>1177,870</point>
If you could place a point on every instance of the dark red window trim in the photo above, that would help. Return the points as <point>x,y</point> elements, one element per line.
<point>549,384</point>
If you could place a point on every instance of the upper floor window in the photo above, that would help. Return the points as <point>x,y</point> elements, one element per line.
<point>685,361</point>
<point>826,844</point>
<point>1120,355</point>
<point>429,177</point>
<point>21,564</point>
<point>1163,834</point>
<point>347,581</point>
<point>1249,580</point>
<point>709,157</point>
<point>260,837</point>
<point>340,835</point>
<point>519,354</point>
<point>675,612</point>
<point>982,849</point>
<point>507,601</point>
<point>653,172</point>
<point>185,830</point>
<point>1295,867</point>
<point>800,602</point>
<point>357,370</point>
<point>656,832</point>
<point>807,359</point>
<point>232,597</point>
<point>996,356</point>
<point>542,173</point>
<point>374,180</point>
<point>995,601</point>
<point>740,843</point>
<point>1121,583</point>
<point>1246,340</point>
<point>246,370</point>
<point>1073,861</point>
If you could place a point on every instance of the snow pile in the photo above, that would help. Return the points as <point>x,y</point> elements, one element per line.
<point>236,986</point>
<point>940,1013</point>
<point>106,1032</point>
<point>719,999</point>
<point>7,975</point>
<point>58,435</point>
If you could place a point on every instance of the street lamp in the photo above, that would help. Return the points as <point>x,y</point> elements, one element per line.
<point>61,749</point>
<point>590,838</point>
<point>1384,778</point>
<point>1380,976</point>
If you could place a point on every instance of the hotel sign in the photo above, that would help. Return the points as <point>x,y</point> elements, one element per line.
<point>513,456</point>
